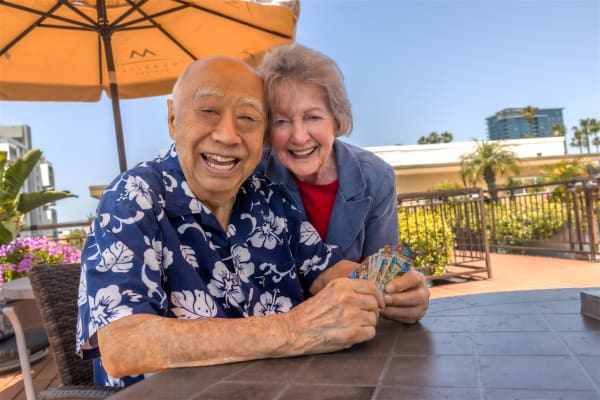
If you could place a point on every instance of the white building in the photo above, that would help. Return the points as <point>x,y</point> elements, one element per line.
<point>16,141</point>
<point>422,167</point>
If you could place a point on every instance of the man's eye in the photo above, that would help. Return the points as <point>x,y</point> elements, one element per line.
<point>248,118</point>
<point>207,111</point>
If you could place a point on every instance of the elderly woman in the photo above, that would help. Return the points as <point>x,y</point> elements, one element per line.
<point>347,193</point>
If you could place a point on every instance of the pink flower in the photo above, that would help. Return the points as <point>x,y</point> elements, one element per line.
<point>22,253</point>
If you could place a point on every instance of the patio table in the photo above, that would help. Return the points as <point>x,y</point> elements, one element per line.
<point>525,344</point>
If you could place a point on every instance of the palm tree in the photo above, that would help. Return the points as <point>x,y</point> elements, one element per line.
<point>529,113</point>
<point>559,130</point>
<point>594,127</point>
<point>585,126</point>
<point>579,139</point>
<point>434,137</point>
<point>488,160</point>
<point>446,137</point>
<point>14,204</point>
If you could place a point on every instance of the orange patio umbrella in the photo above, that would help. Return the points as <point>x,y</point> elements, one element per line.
<point>72,50</point>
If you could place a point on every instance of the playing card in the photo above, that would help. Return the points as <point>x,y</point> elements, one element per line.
<point>385,265</point>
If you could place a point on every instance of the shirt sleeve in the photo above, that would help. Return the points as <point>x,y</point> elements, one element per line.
<point>121,272</point>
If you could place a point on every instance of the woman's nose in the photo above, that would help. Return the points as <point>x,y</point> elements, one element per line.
<point>299,132</point>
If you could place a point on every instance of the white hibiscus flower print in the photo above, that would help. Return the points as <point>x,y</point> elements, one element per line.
<point>241,256</point>
<point>137,189</point>
<point>170,182</point>
<point>271,304</point>
<point>308,234</point>
<point>82,293</point>
<point>231,231</point>
<point>116,258</point>
<point>198,304</point>
<point>106,306</point>
<point>267,234</point>
<point>226,285</point>
<point>157,255</point>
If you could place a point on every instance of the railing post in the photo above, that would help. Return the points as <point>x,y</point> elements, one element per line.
<point>591,190</point>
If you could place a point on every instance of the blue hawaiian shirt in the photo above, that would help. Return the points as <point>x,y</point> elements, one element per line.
<point>154,248</point>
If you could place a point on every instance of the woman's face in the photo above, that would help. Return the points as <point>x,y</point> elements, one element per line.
<point>302,132</point>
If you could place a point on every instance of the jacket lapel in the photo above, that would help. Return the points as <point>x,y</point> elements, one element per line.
<point>351,205</point>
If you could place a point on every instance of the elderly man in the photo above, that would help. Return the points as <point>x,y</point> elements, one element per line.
<point>192,260</point>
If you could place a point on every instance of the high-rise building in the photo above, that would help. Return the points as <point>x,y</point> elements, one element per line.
<point>511,124</point>
<point>16,141</point>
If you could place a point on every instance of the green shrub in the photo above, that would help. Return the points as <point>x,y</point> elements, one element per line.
<point>429,236</point>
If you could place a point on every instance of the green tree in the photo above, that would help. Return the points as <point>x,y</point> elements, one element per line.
<point>559,130</point>
<point>593,127</point>
<point>585,126</point>
<point>579,139</point>
<point>488,160</point>
<point>434,137</point>
<point>446,137</point>
<point>13,203</point>
<point>564,171</point>
<point>530,113</point>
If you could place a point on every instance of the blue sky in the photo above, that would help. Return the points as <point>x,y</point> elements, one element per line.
<point>411,67</point>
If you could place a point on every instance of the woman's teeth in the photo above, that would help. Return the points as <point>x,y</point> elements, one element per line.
<point>303,153</point>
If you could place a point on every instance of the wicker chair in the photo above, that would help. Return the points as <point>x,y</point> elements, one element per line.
<point>56,288</point>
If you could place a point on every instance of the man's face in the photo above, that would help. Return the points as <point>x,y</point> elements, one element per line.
<point>218,122</point>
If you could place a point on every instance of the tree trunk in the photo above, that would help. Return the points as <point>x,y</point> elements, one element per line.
<point>490,179</point>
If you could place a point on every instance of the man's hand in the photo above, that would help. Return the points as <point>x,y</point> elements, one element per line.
<point>341,269</point>
<point>343,313</point>
<point>406,297</point>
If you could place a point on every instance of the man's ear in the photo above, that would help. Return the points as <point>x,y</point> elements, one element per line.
<point>171,118</point>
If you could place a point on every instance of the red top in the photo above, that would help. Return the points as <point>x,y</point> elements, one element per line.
<point>318,202</point>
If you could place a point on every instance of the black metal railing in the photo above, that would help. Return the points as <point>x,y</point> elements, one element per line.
<point>447,229</point>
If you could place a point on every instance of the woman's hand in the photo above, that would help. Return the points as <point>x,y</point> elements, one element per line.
<point>406,297</point>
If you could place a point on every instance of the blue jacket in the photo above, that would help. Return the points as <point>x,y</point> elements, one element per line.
<point>364,216</point>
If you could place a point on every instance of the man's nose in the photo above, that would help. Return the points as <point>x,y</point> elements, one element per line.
<point>225,131</point>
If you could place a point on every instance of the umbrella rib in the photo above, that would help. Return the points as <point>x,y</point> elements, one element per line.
<point>48,15</point>
<point>248,24</point>
<point>29,28</point>
<point>150,18</point>
<point>78,12</point>
<point>133,7</point>
<point>185,4</point>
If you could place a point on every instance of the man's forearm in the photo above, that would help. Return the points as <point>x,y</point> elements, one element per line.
<point>145,343</point>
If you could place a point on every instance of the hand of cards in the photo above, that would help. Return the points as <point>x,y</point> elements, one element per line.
<point>385,265</point>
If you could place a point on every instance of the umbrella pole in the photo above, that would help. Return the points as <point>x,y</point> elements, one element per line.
<point>114,95</point>
<point>106,33</point>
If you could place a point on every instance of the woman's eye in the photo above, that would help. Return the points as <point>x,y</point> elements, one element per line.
<point>281,122</point>
<point>313,118</point>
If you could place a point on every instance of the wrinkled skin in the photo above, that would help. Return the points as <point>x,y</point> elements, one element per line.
<point>406,297</point>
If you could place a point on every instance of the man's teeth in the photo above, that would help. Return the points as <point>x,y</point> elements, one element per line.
<point>219,162</point>
<point>302,153</point>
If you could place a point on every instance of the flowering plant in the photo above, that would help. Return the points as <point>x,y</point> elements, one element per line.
<point>22,253</point>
